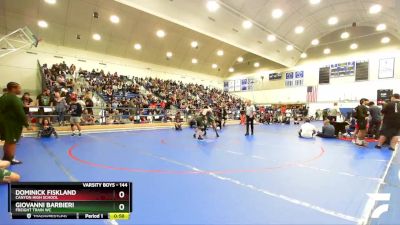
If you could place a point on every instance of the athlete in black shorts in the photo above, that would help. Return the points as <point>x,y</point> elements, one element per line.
<point>391,123</point>
<point>362,113</point>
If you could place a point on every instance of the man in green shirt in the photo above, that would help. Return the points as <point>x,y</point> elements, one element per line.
<point>211,121</point>
<point>12,120</point>
<point>201,122</point>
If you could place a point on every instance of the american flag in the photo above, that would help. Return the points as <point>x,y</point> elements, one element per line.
<point>312,93</point>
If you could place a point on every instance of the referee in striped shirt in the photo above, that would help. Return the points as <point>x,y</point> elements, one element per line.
<point>250,113</point>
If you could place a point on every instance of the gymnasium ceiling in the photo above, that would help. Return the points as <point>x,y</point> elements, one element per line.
<point>67,18</point>
<point>185,21</point>
<point>226,23</point>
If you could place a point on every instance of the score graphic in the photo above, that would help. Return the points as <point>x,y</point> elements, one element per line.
<point>72,200</point>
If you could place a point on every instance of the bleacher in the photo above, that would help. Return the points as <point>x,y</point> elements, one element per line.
<point>138,99</point>
<point>119,96</point>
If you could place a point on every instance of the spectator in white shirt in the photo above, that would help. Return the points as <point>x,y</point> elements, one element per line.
<point>307,130</point>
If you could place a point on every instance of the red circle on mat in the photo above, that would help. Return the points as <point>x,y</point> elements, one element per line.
<point>192,171</point>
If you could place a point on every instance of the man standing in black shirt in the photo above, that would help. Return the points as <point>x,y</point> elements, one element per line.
<point>76,112</point>
<point>362,122</point>
<point>391,123</point>
<point>376,119</point>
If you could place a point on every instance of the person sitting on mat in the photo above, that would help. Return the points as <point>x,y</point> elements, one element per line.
<point>307,130</point>
<point>351,126</point>
<point>46,129</point>
<point>178,121</point>
<point>7,176</point>
<point>328,130</point>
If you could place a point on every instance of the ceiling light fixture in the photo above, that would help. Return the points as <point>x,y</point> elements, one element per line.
<point>220,53</point>
<point>160,33</point>
<point>114,19</point>
<point>353,46</point>
<point>314,2</point>
<point>137,46</point>
<point>345,35</point>
<point>271,38</point>
<point>194,61</point>
<point>212,6</point>
<point>303,55</point>
<point>333,20</point>
<point>381,27</point>
<point>231,69</point>
<point>169,54</point>
<point>96,15</point>
<point>374,9</point>
<point>247,24</point>
<point>42,24</point>
<point>194,44</point>
<point>315,42</point>
<point>52,2</point>
<point>385,40</point>
<point>256,64</point>
<point>277,13</point>
<point>289,48</point>
<point>327,51</point>
<point>96,37</point>
<point>214,66</point>
<point>299,29</point>
<point>240,59</point>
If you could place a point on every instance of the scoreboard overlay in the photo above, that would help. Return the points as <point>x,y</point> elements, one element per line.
<point>70,200</point>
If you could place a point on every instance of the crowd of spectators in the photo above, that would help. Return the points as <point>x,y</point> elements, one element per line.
<point>281,113</point>
<point>126,99</point>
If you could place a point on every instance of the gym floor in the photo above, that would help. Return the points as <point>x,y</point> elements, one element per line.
<point>273,177</point>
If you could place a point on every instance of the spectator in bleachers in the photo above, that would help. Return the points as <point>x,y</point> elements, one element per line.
<point>87,118</point>
<point>89,103</point>
<point>44,100</point>
<point>75,110</point>
<point>27,102</point>
<point>60,107</point>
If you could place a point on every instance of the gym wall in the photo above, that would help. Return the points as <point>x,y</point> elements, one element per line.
<point>339,89</point>
<point>22,66</point>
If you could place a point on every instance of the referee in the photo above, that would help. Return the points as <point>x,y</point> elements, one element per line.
<point>250,113</point>
<point>12,120</point>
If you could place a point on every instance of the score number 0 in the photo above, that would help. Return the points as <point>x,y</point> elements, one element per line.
<point>121,195</point>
